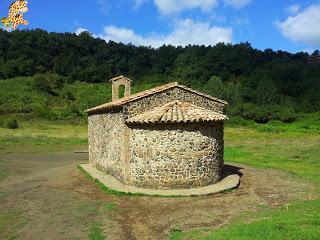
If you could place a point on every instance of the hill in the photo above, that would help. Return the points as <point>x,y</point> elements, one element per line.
<point>58,75</point>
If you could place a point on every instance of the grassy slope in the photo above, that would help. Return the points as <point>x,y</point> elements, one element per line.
<point>293,148</point>
<point>20,96</point>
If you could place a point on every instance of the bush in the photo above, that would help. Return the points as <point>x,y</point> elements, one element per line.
<point>72,111</point>
<point>12,124</point>
<point>264,114</point>
<point>248,111</point>
<point>237,121</point>
<point>286,115</point>
<point>48,83</point>
<point>45,112</point>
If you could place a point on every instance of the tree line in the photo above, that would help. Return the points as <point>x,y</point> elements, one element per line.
<point>259,85</point>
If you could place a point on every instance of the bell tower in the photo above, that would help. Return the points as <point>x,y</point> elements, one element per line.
<point>120,81</point>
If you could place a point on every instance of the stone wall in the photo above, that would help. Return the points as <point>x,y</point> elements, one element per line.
<point>176,156</point>
<point>115,88</point>
<point>159,99</point>
<point>106,142</point>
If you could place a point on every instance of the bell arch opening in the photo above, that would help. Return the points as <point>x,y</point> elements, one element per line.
<point>121,91</point>
<point>121,87</point>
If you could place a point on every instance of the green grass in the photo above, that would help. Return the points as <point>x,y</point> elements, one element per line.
<point>11,221</point>
<point>41,135</point>
<point>20,96</point>
<point>288,147</point>
<point>4,172</point>
<point>305,124</point>
<point>293,148</point>
<point>110,206</point>
<point>296,221</point>
<point>90,215</point>
<point>96,232</point>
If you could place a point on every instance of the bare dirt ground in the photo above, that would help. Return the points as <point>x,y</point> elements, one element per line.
<point>45,196</point>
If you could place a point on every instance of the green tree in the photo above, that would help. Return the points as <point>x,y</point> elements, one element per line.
<point>233,94</point>
<point>266,93</point>
<point>215,87</point>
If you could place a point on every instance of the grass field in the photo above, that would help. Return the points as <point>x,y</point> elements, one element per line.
<point>289,147</point>
<point>41,135</point>
<point>298,221</point>
<point>293,148</point>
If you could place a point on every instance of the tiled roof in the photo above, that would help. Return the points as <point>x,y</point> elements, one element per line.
<point>148,92</point>
<point>177,112</point>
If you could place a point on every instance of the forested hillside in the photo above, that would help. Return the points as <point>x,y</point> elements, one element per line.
<point>57,75</point>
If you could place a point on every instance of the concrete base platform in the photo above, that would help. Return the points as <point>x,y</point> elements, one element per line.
<point>228,182</point>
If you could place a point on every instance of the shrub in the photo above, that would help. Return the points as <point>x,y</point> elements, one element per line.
<point>48,83</point>
<point>287,115</point>
<point>246,110</point>
<point>12,124</point>
<point>237,121</point>
<point>45,112</point>
<point>264,114</point>
<point>72,111</point>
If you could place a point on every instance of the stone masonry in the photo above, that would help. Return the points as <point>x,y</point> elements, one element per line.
<point>176,156</point>
<point>106,151</point>
<point>168,153</point>
<point>155,100</point>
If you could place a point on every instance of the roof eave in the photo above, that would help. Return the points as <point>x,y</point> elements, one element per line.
<point>203,94</point>
<point>170,86</point>
<point>101,110</point>
<point>175,122</point>
<point>120,77</point>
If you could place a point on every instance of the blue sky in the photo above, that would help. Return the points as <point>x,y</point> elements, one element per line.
<point>292,25</point>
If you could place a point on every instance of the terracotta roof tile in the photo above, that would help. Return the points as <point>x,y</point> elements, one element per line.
<point>148,92</point>
<point>177,112</point>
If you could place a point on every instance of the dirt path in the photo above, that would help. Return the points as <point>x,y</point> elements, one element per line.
<point>46,197</point>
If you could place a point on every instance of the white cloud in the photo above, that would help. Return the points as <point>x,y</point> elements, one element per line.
<point>303,27</point>
<point>168,7</point>
<point>240,21</point>
<point>138,3</point>
<point>80,30</point>
<point>171,7</point>
<point>104,6</point>
<point>184,32</point>
<point>237,3</point>
<point>307,50</point>
<point>293,9</point>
